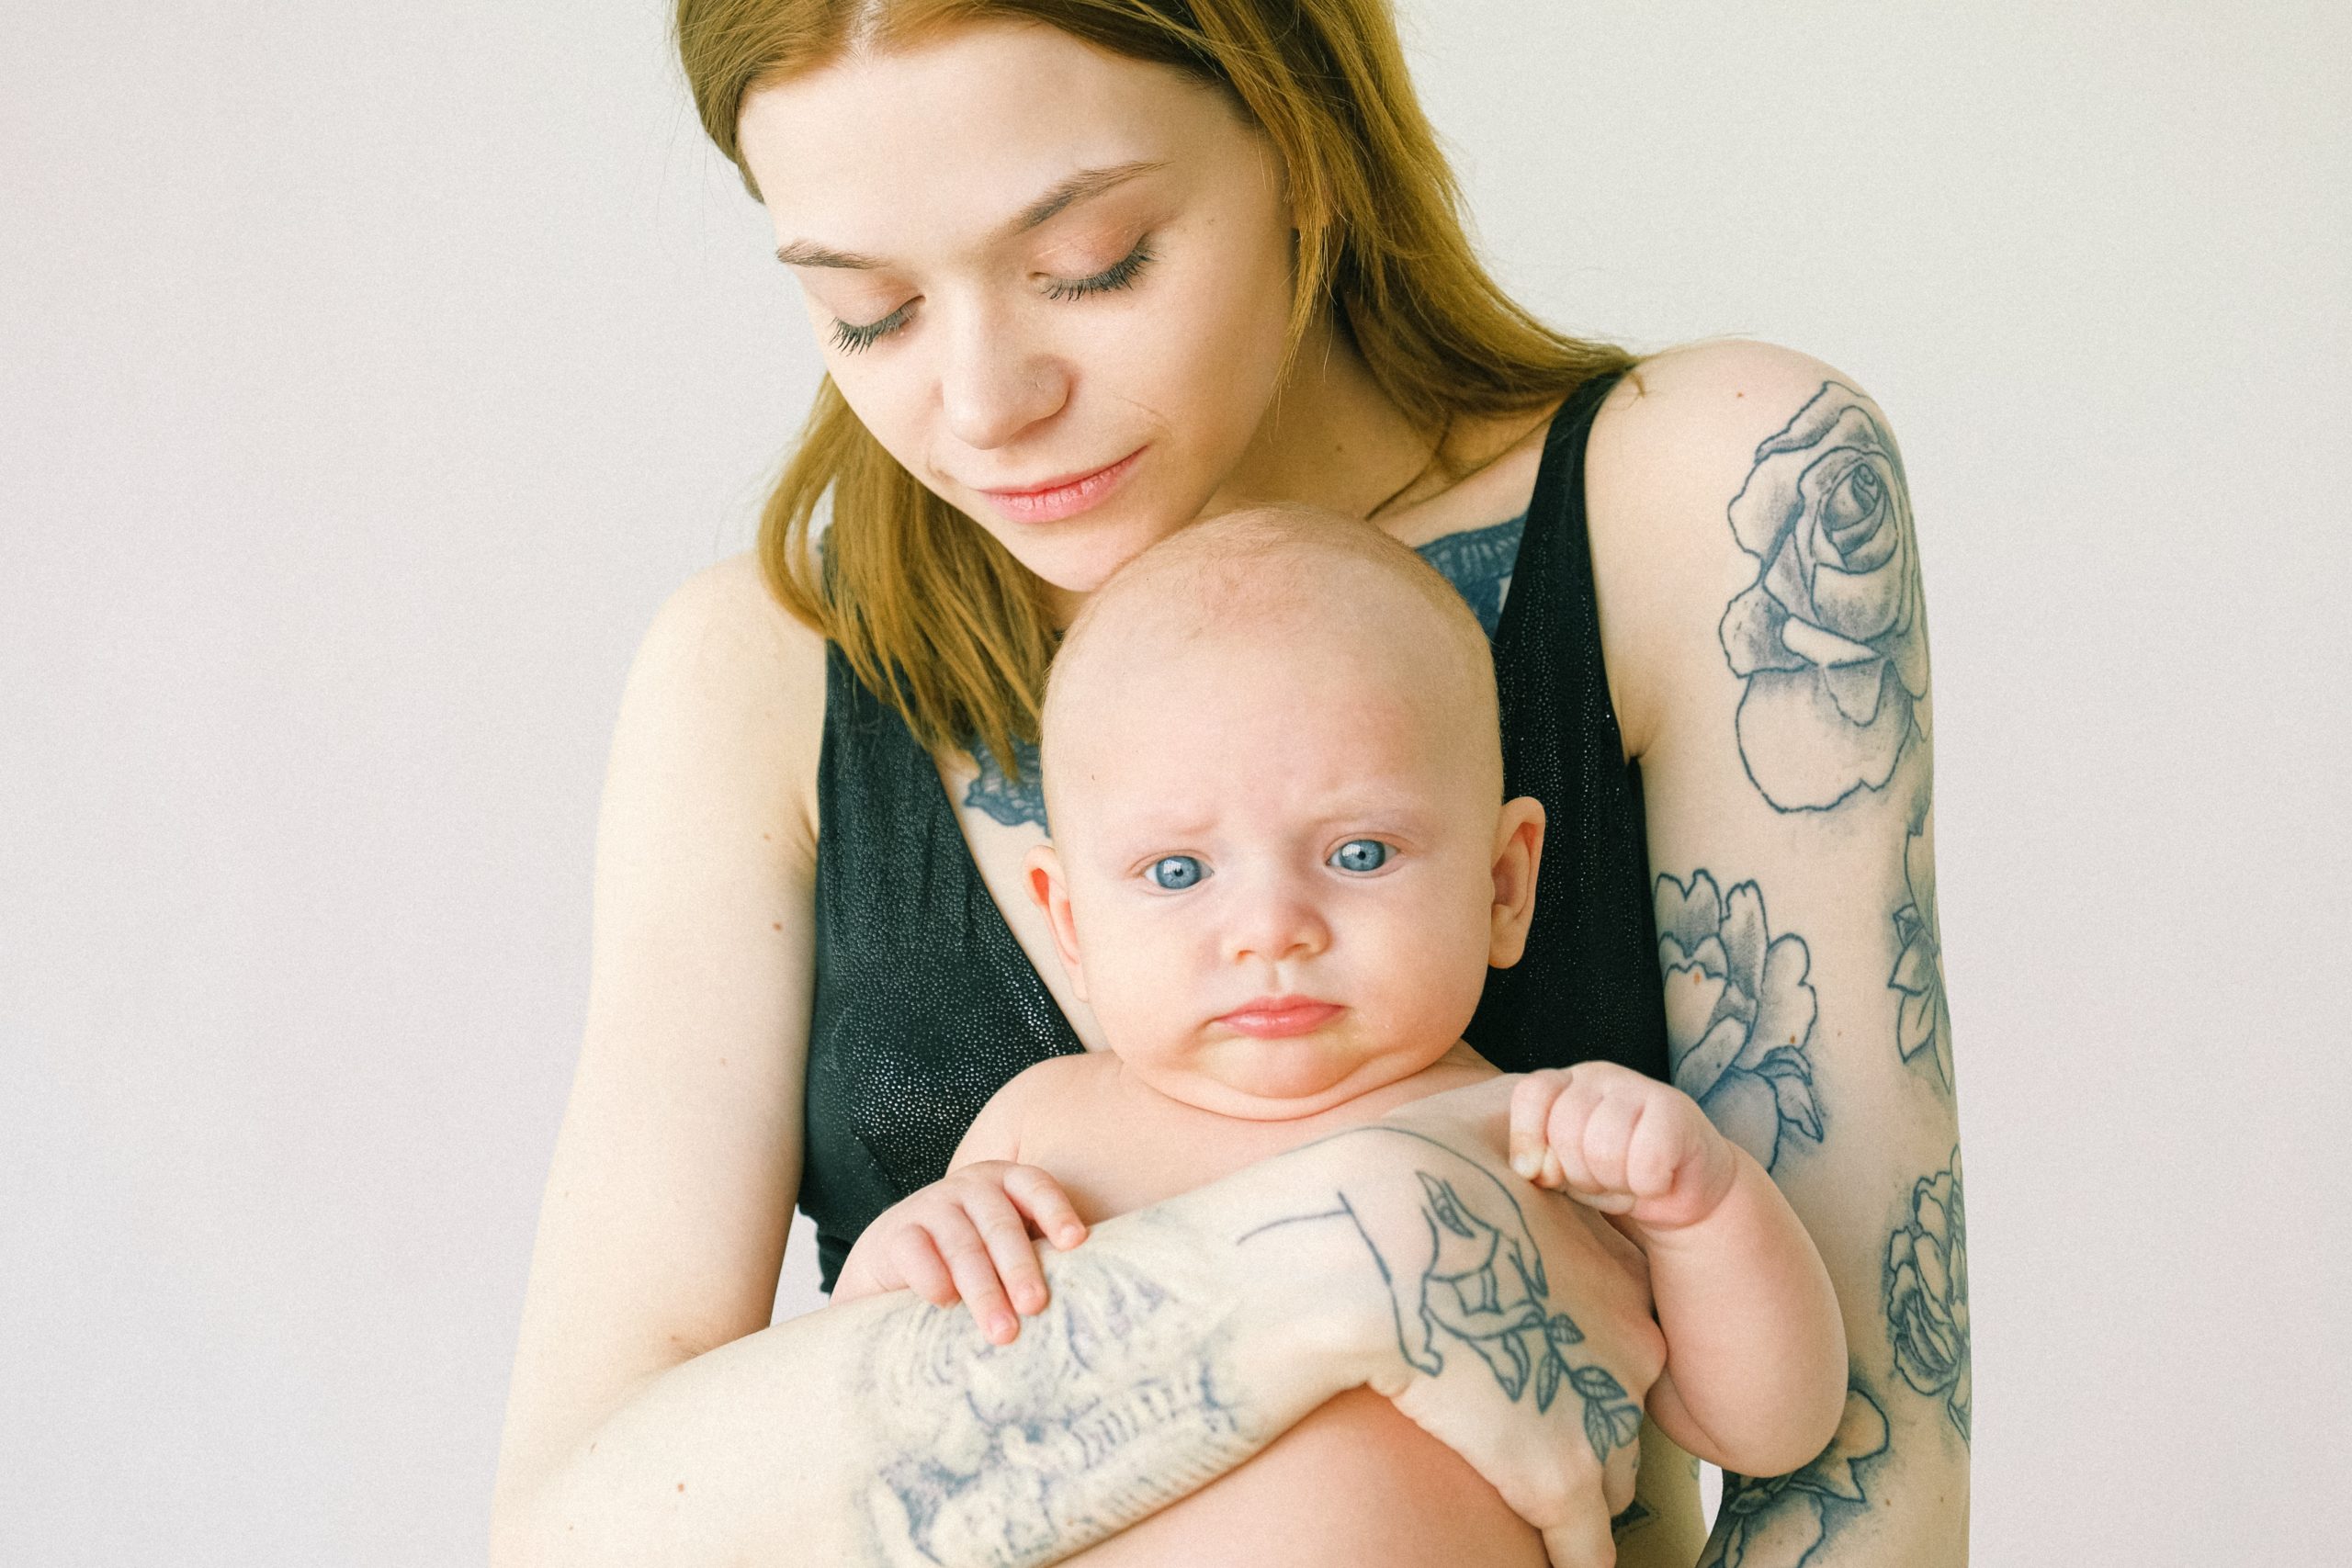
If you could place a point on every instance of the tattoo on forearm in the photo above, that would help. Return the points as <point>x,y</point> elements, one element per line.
<point>1780,1521</point>
<point>1926,1294</point>
<point>1739,1014</point>
<point>1112,1404</point>
<point>1465,1270</point>
<point>1922,1018</point>
<point>1477,561</point>
<point>1831,640</point>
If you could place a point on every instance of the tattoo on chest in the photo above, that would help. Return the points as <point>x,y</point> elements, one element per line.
<point>1113,1403</point>
<point>1477,561</point>
<point>1781,1521</point>
<point>1832,637</point>
<point>1739,1014</point>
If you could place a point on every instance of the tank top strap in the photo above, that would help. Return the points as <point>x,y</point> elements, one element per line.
<point>1588,986</point>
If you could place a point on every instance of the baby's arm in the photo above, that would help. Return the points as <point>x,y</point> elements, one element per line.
<point>967,1236</point>
<point>1755,1376</point>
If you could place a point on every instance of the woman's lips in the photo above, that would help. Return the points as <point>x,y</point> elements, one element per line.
<point>1063,498</point>
<point>1274,1018</point>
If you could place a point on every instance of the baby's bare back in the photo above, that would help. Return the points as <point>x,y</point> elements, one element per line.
<point>1354,1483</point>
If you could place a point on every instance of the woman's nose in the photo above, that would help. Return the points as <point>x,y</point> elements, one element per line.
<point>997,384</point>
<point>1274,923</point>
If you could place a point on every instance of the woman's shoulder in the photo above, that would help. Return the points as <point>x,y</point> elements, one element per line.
<point>730,685</point>
<point>1672,451</point>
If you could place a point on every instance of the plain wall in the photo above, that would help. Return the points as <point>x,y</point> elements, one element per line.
<point>369,373</point>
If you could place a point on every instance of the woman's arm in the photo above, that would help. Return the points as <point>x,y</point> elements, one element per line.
<point>1767,640</point>
<point>655,1417</point>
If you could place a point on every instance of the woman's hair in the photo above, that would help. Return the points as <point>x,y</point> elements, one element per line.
<point>932,612</point>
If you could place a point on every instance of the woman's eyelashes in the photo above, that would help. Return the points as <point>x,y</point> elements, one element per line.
<point>852,338</point>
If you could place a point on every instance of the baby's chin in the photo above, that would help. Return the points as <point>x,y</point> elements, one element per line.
<point>1282,1079</point>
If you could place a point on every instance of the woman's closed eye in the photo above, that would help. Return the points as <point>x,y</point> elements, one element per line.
<point>1175,872</point>
<point>855,338</point>
<point>1360,855</point>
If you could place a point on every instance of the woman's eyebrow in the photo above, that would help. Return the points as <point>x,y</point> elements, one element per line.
<point>1079,187</point>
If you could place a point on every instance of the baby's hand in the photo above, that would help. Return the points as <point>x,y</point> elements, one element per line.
<point>1619,1142</point>
<point>966,1236</point>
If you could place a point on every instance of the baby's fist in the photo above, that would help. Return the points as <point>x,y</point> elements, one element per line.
<point>1620,1142</point>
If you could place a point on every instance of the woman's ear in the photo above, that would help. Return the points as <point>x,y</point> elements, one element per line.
<point>1041,874</point>
<point>1519,850</point>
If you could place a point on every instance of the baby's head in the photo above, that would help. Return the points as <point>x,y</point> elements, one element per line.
<point>1281,861</point>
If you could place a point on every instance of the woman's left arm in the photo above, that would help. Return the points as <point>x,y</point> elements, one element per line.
<point>1766,645</point>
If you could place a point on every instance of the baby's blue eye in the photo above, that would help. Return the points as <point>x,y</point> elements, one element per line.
<point>1360,854</point>
<point>1176,873</point>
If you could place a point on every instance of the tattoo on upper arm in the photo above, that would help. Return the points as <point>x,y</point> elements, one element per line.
<point>1780,1521</point>
<point>1831,638</point>
<point>1739,1014</point>
<point>1923,1018</point>
<point>1112,1404</point>
<point>1465,1270</point>
<point>1926,1294</point>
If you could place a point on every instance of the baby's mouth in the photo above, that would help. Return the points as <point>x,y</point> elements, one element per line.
<point>1274,1017</point>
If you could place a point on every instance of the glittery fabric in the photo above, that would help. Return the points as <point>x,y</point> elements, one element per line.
<point>926,1005</point>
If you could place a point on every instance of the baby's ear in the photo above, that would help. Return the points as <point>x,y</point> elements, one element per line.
<point>1519,850</point>
<point>1041,874</point>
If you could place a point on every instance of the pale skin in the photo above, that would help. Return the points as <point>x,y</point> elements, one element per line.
<point>1329,810</point>
<point>654,1414</point>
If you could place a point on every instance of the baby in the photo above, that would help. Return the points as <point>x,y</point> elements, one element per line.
<point>1282,864</point>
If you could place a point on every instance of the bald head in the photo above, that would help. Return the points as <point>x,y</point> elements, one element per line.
<point>1279,592</point>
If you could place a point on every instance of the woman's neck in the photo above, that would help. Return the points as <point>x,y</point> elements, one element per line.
<point>1331,437</point>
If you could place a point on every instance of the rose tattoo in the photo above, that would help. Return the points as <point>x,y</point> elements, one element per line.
<point>1830,639</point>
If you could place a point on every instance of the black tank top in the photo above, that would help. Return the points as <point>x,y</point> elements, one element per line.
<point>926,1005</point>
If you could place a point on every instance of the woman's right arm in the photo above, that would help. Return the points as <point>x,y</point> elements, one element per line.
<point>654,1414</point>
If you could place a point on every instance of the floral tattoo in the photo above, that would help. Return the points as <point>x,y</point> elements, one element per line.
<point>1780,1521</point>
<point>1923,1018</point>
<point>1926,1294</point>
<point>1831,640</point>
<point>1739,1014</point>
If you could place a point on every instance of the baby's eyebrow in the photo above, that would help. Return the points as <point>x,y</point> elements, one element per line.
<point>1083,185</point>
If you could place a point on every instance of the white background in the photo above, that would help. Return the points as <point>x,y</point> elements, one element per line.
<point>368,373</point>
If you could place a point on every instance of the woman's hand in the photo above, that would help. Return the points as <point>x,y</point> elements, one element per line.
<point>1518,1329</point>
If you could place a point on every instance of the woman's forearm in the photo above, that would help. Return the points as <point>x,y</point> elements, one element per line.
<point>889,1431</point>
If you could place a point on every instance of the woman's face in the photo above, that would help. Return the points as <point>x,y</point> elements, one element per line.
<point>1052,281</point>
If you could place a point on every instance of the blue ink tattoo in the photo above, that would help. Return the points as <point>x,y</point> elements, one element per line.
<point>1832,640</point>
<point>1780,1521</point>
<point>1923,1018</point>
<point>1477,561</point>
<point>1926,1294</point>
<point>1739,1014</point>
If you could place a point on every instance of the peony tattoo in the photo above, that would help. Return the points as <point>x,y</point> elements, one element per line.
<point>1926,1294</point>
<point>1780,1521</point>
<point>1739,1014</point>
<point>1831,640</point>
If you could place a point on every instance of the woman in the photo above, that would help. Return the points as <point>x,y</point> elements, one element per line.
<point>1086,270</point>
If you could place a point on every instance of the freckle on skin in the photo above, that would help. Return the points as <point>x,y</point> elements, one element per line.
<point>682,1486</point>
<point>776,925</point>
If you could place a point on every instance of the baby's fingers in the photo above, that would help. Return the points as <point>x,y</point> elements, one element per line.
<point>1000,1260</point>
<point>1038,1195</point>
<point>1531,1109</point>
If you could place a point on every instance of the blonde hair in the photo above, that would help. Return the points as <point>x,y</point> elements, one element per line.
<point>931,611</point>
